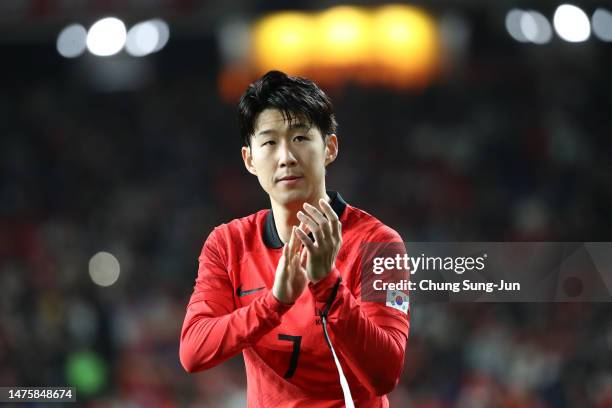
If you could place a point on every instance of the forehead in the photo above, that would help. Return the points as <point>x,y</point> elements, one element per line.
<point>272,119</point>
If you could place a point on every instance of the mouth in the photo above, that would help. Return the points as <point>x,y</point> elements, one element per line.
<point>289,178</point>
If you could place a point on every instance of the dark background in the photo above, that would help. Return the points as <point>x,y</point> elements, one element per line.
<point>511,144</point>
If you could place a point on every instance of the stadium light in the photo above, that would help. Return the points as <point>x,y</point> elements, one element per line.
<point>405,39</point>
<point>602,24</point>
<point>513,25</point>
<point>142,39</point>
<point>571,23</point>
<point>283,41</point>
<point>104,269</point>
<point>147,37</point>
<point>71,41</point>
<point>106,37</point>
<point>163,31</point>
<point>535,27</point>
<point>343,36</point>
<point>395,44</point>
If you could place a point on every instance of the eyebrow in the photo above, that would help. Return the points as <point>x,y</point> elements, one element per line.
<point>293,126</point>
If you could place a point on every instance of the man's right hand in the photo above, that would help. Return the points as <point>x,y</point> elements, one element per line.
<point>290,278</point>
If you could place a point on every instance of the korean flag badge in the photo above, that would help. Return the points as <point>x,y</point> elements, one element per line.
<point>398,300</point>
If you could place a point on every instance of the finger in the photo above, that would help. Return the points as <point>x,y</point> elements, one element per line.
<point>303,227</point>
<point>295,262</point>
<point>319,218</point>
<point>328,214</point>
<point>296,244</point>
<point>314,212</point>
<point>308,221</point>
<point>304,257</point>
<point>291,244</point>
<point>303,272</point>
<point>283,259</point>
<point>327,210</point>
<point>317,232</point>
<point>306,241</point>
<point>336,225</point>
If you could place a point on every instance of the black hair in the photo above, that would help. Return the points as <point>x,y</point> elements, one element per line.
<point>293,96</point>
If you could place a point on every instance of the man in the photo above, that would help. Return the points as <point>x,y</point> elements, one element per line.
<point>283,286</point>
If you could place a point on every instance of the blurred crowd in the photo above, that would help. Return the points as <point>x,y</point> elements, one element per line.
<point>505,149</point>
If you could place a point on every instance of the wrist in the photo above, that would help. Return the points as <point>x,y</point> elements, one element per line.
<point>280,298</point>
<point>315,280</point>
<point>274,304</point>
<point>317,277</point>
<point>321,289</point>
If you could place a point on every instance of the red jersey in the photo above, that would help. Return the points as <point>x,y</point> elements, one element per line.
<point>287,360</point>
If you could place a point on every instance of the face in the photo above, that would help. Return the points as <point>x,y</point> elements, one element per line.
<point>289,161</point>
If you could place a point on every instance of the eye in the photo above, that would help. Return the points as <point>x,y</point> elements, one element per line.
<point>300,138</point>
<point>268,142</point>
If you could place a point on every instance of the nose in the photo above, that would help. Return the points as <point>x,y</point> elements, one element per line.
<point>286,156</point>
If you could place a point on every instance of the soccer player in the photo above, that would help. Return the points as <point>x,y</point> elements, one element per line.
<point>283,285</point>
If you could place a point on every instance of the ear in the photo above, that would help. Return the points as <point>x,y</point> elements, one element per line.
<point>247,157</point>
<point>331,148</point>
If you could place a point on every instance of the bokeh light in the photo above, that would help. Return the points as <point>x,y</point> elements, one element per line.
<point>163,32</point>
<point>283,41</point>
<point>147,37</point>
<point>343,36</point>
<point>142,39</point>
<point>535,27</point>
<point>602,24</point>
<point>393,44</point>
<point>87,372</point>
<point>513,25</point>
<point>571,23</point>
<point>406,39</point>
<point>106,37</point>
<point>104,269</point>
<point>71,41</point>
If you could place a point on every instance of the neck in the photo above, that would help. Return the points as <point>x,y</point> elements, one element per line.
<point>285,215</point>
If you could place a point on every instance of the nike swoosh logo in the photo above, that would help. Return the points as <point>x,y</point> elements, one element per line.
<point>241,292</point>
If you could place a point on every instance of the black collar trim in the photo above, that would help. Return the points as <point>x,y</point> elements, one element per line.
<point>270,235</point>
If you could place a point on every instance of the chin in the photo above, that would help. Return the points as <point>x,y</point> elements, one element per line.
<point>289,197</point>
